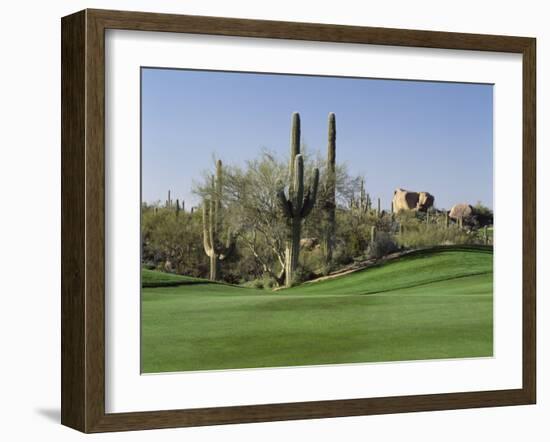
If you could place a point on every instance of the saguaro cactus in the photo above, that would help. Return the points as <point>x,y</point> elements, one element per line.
<point>211,225</point>
<point>299,202</point>
<point>363,199</point>
<point>330,203</point>
<point>361,205</point>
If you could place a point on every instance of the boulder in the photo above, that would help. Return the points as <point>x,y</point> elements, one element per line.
<point>309,243</point>
<point>461,210</point>
<point>408,200</point>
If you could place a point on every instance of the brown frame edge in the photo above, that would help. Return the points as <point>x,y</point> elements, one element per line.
<point>83,215</point>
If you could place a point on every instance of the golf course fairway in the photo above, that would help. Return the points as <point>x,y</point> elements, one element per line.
<point>431,305</point>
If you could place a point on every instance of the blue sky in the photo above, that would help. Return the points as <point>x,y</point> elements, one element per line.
<point>429,136</point>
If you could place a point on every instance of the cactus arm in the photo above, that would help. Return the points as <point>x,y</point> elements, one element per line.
<point>315,185</point>
<point>311,195</point>
<point>229,247</point>
<point>294,142</point>
<point>298,190</point>
<point>211,226</point>
<point>331,158</point>
<point>205,234</point>
<point>213,209</point>
<point>284,203</point>
<point>329,215</point>
<point>218,186</point>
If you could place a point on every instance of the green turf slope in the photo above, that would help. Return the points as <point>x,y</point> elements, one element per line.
<point>152,278</point>
<point>434,305</point>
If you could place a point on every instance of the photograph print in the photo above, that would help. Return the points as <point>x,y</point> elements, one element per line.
<point>301,220</point>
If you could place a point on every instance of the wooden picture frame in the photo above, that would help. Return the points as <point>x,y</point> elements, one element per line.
<point>83,220</point>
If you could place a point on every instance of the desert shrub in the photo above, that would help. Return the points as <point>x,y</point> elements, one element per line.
<point>382,245</point>
<point>341,256</point>
<point>429,236</point>
<point>352,233</point>
<point>174,238</point>
<point>254,284</point>
<point>302,275</point>
<point>269,282</point>
<point>480,209</point>
<point>312,261</point>
<point>265,282</point>
<point>409,219</point>
<point>231,277</point>
<point>478,235</point>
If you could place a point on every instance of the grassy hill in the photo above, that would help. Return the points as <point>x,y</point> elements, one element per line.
<point>152,278</point>
<point>426,306</point>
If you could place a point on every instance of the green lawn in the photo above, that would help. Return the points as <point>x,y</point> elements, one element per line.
<point>432,305</point>
<point>152,278</point>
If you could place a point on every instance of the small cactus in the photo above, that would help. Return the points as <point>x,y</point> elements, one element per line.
<point>211,222</point>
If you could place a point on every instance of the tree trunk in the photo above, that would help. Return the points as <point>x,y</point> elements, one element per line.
<point>329,239</point>
<point>214,267</point>
<point>292,250</point>
<point>330,208</point>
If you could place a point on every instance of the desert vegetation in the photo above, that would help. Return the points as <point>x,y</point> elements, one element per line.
<point>276,222</point>
<point>291,261</point>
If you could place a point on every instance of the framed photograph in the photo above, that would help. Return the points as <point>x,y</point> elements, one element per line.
<point>269,220</point>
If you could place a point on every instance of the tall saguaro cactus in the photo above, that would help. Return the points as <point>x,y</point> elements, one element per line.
<point>211,225</point>
<point>363,197</point>
<point>299,202</point>
<point>330,203</point>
